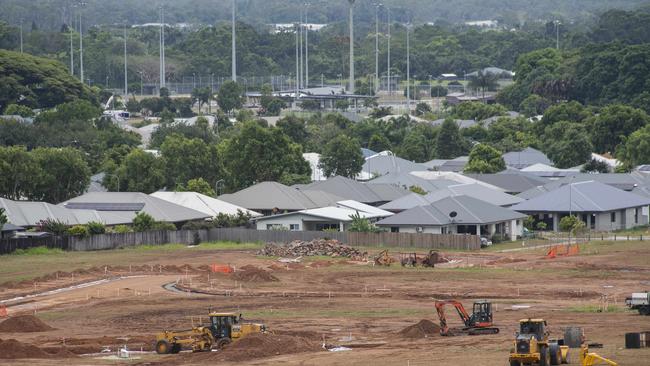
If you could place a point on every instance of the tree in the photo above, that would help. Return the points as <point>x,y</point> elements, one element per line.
<point>485,159</point>
<point>595,166</point>
<point>274,107</point>
<point>18,110</point>
<point>185,159</point>
<point>572,224</point>
<point>19,172</point>
<point>310,105</point>
<point>422,108</point>
<point>342,156</point>
<point>133,106</point>
<point>484,81</point>
<point>380,112</point>
<point>568,144</point>
<point>294,127</point>
<point>63,175</point>
<point>342,104</point>
<point>200,185</point>
<point>143,222</point>
<point>415,147</point>
<point>635,150</point>
<point>139,172</point>
<point>379,143</point>
<point>201,96</point>
<point>613,123</point>
<point>534,105</point>
<point>3,217</point>
<point>450,143</point>
<point>477,111</point>
<point>229,97</point>
<point>362,225</point>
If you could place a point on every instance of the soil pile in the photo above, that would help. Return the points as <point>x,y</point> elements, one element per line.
<point>505,261</point>
<point>423,329</point>
<point>24,324</point>
<point>13,349</point>
<point>253,274</point>
<point>267,345</point>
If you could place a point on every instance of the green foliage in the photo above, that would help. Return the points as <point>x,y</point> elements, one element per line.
<point>636,148</point>
<point>415,147</point>
<point>122,229</point>
<point>484,81</point>
<point>529,223</point>
<point>199,185</point>
<point>450,143</point>
<point>18,110</point>
<point>274,107</point>
<point>3,217</point>
<point>380,112</point>
<point>133,106</point>
<point>201,96</point>
<point>418,190</point>
<point>164,226</point>
<point>53,226</point>
<point>422,108</point>
<point>96,228</point>
<point>613,124</point>
<point>342,156</point>
<point>230,96</point>
<point>572,224</point>
<point>143,222</point>
<point>241,219</point>
<point>595,166</point>
<point>78,230</point>
<point>310,105</point>
<point>541,226</point>
<point>477,111</point>
<point>186,159</point>
<point>342,104</point>
<point>362,225</point>
<point>139,172</point>
<point>63,175</point>
<point>485,159</point>
<point>379,143</point>
<point>534,105</point>
<point>294,127</point>
<point>38,251</point>
<point>568,144</point>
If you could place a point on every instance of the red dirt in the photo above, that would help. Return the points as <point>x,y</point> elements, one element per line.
<point>254,274</point>
<point>24,324</point>
<point>13,349</point>
<point>423,329</point>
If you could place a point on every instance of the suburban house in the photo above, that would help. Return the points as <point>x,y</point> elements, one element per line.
<point>511,183</point>
<point>335,218</point>
<point>457,215</point>
<point>477,191</point>
<point>633,182</point>
<point>9,230</point>
<point>368,193</point>
<point>28,214</point>
<point>550,172</point>
<point>386,162</point>
<point>128,204</point>
<point>406,181</point>
<point>273,198</point>
<point>525,158</point>
<point>457,177</point>
<point>202,203</point>
<point>600,206</point>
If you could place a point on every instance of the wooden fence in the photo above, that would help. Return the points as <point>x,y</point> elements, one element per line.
<point>114,241</point>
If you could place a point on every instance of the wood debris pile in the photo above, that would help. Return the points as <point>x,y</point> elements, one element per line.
<point>317,247</point>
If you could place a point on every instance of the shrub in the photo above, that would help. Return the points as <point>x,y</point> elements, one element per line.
<point>362,225</point>
<point>197,225</point>
<point>143,222</point>
<point>122,229</point>
<point>196,240</point>
<point>224,220</point>
<point>164,226</point>
<point>78,230</point>
<point>96,228</point>
<point>53,226</point>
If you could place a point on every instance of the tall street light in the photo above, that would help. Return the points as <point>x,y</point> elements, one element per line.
<point>21,35</point>
<point>163,82</point>
<point>351,46</point>
<point>306,47</point>
<point>81,42</point>
<point>388,68</point>
<point>557,34</point>
<point>408,66</point>
<point>126,71</point>
<point>297,25</point>
<point>302,70</point>
<point>71,29</point>
<point>377,5</point>
<point>234,41</point>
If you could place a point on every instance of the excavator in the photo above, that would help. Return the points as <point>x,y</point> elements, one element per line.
<point>479,323</point>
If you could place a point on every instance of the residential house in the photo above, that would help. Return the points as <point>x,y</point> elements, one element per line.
<point>202,203</point>
<point>406,181</point>
<point>386,162</point>
<point>547,171</point>
<point>368,193</point>
<point>633,182</point>
<point>600,206</point>
<point>460,178</point>
<point>9,230</point>
<point>511,183</point>
<point>525,158</point>
<point>457,215</point>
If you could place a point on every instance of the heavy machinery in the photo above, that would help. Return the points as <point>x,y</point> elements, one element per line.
<point>533,347</point>
<point>590,359</point>
<point>480,322</point>
<point>384,259</point>
<point>639,301</point>
<point>222,330</point>
<point>413,259</point>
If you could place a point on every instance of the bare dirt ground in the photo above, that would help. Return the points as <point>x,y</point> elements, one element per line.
<point>321,300</point>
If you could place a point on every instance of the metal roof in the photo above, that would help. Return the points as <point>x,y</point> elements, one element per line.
<point>339,214</point>
<point>268,196</point>
<point>385,164</point>
<point>358,206</point>
<point>29,214</point>
<point>588,196</point>
<point>464,209</point>
<point>526,158</point>
<point>511,183</point>
<point>202,203</point>
<point>129,203</point>
<point>462,179</point>
<point>406,180</point>
<point>352,190</point>
<point>477,191</point>
<point>406,202</point>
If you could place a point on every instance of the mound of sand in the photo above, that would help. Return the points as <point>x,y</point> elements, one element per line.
<point>13,349</point>
<point>423,329</point>
<point>267,345</point>
<point>24,324</point>
<point>253,274</point>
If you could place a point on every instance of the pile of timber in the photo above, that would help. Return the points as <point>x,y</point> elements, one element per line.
<point>317,247</point>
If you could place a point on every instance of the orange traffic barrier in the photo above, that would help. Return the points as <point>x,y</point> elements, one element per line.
<point>563,251</point>
<point>3,311</point>
<point>216,268</point>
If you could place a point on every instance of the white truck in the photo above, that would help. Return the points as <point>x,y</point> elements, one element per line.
<point>639,301</point>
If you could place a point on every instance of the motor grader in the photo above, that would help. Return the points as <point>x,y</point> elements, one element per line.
<point>532,346</point>
<point>223,328</point>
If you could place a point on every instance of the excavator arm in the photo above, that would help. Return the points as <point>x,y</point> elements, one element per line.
<point>440,308</point>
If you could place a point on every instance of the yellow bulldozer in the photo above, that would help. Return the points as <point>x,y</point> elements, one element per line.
<point>222,329</point>
<point>533,347</point>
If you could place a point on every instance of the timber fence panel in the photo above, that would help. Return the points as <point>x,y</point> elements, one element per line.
<point>409,240</point>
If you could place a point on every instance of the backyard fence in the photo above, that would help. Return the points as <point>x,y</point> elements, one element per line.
<point>114,241</point>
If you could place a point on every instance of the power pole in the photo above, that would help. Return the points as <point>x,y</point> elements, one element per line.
<point>408,67</point>
<point>21,35</point>
<point>164,66</point>
<point>297,63</point>
<point>72,29</point>
<point>388,69</point>
<point>81,43</point>
<point>300,78</point>
<point>234,42</point>
<point>377,5</point>
<point>306,47</point>
<point>557,34</point>
<point>126,71</point>
<point>351,91</point>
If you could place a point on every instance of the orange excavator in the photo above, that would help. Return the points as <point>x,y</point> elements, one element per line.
<point>479,323</point>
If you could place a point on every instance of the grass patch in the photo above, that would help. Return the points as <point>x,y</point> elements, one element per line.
<point>597,309</point>
<point>37,251</point>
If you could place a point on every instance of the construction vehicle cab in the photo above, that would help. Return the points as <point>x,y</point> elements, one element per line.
<point>481,314</point>
<point>533,347</point>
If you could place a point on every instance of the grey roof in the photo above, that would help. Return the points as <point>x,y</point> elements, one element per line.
<point>511,183</point>
<point>462,123</point>
<point>477,191</point>
<point>532,193</point>
<point>29,214</point>
<point>407,202</point>
<point>435,163</point>
<point>352,190</point>
<point>526,158</point>
<point>367,152</point>
<point>387,192</point>
<point>634,182</point>
<point>321,199</point>
<point>469,211</point>
<point>454,165</point>
<point>406,180</point>
<point>270,195</point>
<point>385,164</point>
<point>11,227</point>
<point>588,196</point>
<point>129,203</point>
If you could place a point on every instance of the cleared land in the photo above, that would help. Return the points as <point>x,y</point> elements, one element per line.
<point>331,300</point>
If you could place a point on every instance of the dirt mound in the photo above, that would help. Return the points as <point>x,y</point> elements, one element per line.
<point>24,324</point>
<point>505,261</point>
<point>254,274</point>
<point>267,345</point>
<point>423,329</point>
<point>13,349</point>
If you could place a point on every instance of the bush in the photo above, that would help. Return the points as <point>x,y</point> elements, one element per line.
<point>168,226</point>
<point>55,227</point>
<point>240,219</point>
<point>78,230</point>
<point>143,222</point>
<point>96,228</point>
<point>122,229</point>
<point>197,225</point>
<point>362,225</point>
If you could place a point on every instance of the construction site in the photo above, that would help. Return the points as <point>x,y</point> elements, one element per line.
<point>322,303</point>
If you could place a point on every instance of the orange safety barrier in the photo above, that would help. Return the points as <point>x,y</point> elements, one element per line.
<point>216,268</point>
<point>563,251</point>
<point>3,311</point>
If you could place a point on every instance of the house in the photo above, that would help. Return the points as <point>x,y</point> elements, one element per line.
<point>9,230</point>
<point>525,158</point>
<point>460,178</point>
<point>406,181</point>
<point>386,162</point>
<point>550,172</point>
<point>501,73</point>
<point>368,193</point>
<point>272,198</point>
<point>128,204</point>
<point>202,203</point>
<point>447,165</point>
<point>634,182</point>
<point>511,183</point>
<point>600,206</point>
<point>495,197</point>
<point>457,215</point>
<point>335,218</point>
<point>28,214</point>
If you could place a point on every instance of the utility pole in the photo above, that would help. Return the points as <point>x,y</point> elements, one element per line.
<point>141,85</point>
<point>302,70</point>
<point>388,72</point>
<point>557,34</point>
<point>81,43</point>
<point>71,29</point>
<point>377,5</point>
<point>408,66</point>
<point>163,82</point>
<point>126,71</point>
<point>21,35</point>
<point>234,41</point>
<point>351,91</point>
<point>306,47</point>
<point>297,64</point>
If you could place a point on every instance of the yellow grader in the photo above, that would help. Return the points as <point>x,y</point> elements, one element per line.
<point>222,330</point>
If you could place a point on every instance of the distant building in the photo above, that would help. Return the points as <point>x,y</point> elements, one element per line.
<point>501,73</point>
<point>483,23</point>
<point>457,98</point>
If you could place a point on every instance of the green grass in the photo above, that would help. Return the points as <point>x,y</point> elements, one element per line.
<point>597,309</point>
<point>37,251</point>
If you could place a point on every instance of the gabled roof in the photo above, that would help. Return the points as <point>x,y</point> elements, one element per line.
<point>202,203</point>
<point>340,213</point>
<point>384,164</point>
<point>28,214</point>
<point>454,165</point>
<point>387,192</point>
<point>353,190</point>
<point>588,196</point>
<point>270,195</point>
<point>406,180</point>
<point>541,167</point>
<point>456,210</point>
<point>634,182</point>
<point>477,191</point>
<point>129,203</point>
<point>321,198</point>
<point>358,206</point>
<point>526,158</point>
<point>11,227</point>
<point>461,179</point>
<point>512,183</point>
<point>407,202</point>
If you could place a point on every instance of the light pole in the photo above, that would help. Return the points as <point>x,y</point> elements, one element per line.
<point>126,71</point>
<point>141,85</point>
<point>71,29</point>
<point>388,68</point>
<point>351,10</point>
<point>81,42</point>
<point>193,81</point>
<point>21,35</point>
<point>306,47</point>
<point>297,62</point>
<point>377,5</point>
<point>557,34</point>
<point>408,67</point>
<point>300,78</point>
<point>234,41</point>
<point>163,82</point>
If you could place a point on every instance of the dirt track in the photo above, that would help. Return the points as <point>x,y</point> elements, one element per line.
<point>338,302</point>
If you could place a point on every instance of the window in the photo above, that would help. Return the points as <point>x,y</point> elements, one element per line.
<point>636,215</point>
<point>323,227</point>
<point>294,227</point>
<point>274,227</point>
<point>613,216</point>
<point>394,229</point>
